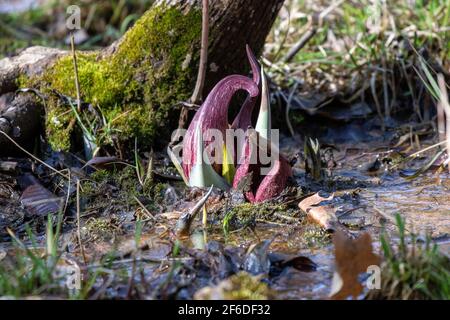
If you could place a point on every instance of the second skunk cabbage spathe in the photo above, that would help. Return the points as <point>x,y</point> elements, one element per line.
<point>262,186</point>
<point>212,119</point>
<point>263,124</point>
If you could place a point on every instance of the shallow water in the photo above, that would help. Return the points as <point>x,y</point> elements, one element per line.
<point>424,203</point>
<point>366,202</point>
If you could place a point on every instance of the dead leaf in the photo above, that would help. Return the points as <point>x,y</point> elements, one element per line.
<point>353,257</point>
<point>281,261</point>
<point>172,215</point>
<point>301,263</point>
<point>38,201</point>
<point>101,162</point>
<point>325,216</point>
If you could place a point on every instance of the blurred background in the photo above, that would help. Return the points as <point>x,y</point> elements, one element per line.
<point>358,49</point>
<point>43,22</point>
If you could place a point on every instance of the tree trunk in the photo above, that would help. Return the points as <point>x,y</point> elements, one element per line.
<point>148,71</point>
<point>235,23</point>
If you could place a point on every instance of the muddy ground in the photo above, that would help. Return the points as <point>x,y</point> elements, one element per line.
<point>367,175</point>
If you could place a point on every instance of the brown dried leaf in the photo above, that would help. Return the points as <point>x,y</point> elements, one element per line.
<point>325,216</point>
<point>353,256</point>
<point>101,162</point>
<point>38,201</point>
<point>301,263</point>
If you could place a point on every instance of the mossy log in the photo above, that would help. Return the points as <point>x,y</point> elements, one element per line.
<point>135,82</point>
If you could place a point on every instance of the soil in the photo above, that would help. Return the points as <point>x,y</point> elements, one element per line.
<point>366,178</point>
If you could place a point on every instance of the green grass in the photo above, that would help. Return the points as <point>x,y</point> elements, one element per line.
<point>357,22</point>
<point>416,271</point>
<point>29,269</point>
<point>33,269</point>
<point>105,22</point>
<point>358,41</point>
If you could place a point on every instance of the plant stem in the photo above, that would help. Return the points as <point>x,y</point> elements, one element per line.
<point>78,223</point>
<point>75,67</point>
<point>198,90</point>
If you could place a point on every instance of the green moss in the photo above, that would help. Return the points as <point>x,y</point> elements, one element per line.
<point>157,192</point>
<point>100,175</point>
<point>264,210</point>
<point>126,180</point>
<point>136,86</point>
<point>315,237</point>
<point>241,286</point>
<point>239,217</point>
<point>247,287</point>
<point>246,214</point>
<point>58,125</point>
<point>99,229</point>
<point>117,190</point>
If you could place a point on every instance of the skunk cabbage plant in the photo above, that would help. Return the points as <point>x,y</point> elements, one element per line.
<point>262,186</point>
<point>207,137</point>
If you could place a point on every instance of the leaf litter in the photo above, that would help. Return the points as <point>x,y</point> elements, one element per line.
<point>287,248</point>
